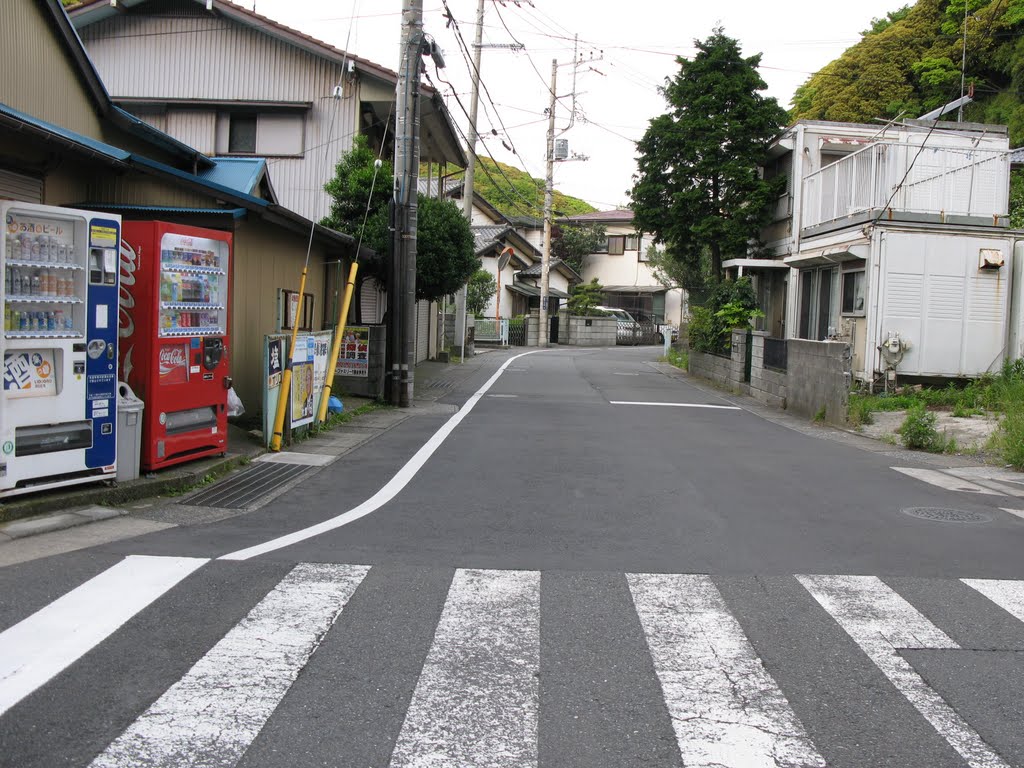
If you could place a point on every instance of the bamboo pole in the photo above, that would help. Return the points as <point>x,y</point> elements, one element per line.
<point>339,331</point>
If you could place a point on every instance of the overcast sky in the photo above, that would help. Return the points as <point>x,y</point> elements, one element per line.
<point>628,49</point>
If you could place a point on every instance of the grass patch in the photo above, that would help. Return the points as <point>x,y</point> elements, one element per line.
<point>680,358</point>
<point>1001,393</point>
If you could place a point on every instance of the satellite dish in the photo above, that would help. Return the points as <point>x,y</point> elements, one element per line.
<point>504,258</point>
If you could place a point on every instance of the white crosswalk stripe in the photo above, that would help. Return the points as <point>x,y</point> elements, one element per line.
<point>1008,595</point>
<point>38,648</point>
<point>725,707</point>
<point>211,716</point>
<point>472,708</point>
<point>880,621</point>
<point>478,699</point>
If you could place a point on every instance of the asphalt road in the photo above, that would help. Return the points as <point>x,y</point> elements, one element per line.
<point>575,558</point>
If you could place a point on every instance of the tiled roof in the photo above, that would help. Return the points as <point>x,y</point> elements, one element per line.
<point>484,236</point>
<point>534,270</point>
<point>617,215</point>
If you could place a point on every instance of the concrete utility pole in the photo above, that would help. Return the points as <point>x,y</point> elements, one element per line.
<point>467,187</point>
<point>402,307</point>
<point>549,186</point>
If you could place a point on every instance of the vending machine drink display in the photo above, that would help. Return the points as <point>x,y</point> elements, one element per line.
<point>174,328</point>
<point>58,411</point>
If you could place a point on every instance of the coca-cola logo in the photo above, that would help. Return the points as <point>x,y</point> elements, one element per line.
<point>171,358</point>
<point>125,301</point>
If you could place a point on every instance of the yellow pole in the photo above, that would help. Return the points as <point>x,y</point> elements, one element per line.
<point>286,379</point>
<point>339,331</point>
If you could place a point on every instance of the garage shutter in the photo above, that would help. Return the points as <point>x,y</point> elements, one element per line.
<point>15,186</point>
<point>422,330</point>
<point>371,302</point>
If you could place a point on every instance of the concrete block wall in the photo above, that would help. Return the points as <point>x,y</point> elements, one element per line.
<point>820,374</point>
<point>818,378</point>
<point>575,331</point>
<point>766,385</point>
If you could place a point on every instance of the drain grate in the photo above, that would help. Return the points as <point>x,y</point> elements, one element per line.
<point>256,483</point>
<point>944,515</point>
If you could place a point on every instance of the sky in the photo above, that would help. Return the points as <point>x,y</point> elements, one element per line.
<point>625,51</point>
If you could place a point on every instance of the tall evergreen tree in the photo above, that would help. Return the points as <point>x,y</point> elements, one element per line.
<point>697,185</point>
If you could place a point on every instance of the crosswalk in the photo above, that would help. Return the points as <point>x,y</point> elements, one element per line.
<point>479,694</point>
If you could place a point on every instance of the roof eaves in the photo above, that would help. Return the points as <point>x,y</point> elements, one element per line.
<point>71,140</point>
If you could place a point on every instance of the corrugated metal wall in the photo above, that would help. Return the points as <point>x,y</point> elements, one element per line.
<point>422,331</point>
<point>267,259</point>
<point>208,58</point>
<point>38,77</point>
<point>16,186</point>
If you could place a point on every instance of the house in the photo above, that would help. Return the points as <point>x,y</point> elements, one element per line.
<point>64,142</point>
<point>517,278</point>
<point>621,267</point>
<point>233,83</point>
<point>894,239</point>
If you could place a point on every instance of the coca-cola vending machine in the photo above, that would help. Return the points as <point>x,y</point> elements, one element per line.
<point>174,337</point>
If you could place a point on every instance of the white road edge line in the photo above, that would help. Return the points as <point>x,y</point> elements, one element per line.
<point>391,489</point>
<point>942,480</point>
<point>726,709</point>
<point>880,621</point>
<point>1008,595</point>
<point>213,713</point>
<point>477,699</point>
<point>41,646</point>
<point>1018,512</point>
<point>677,405</point>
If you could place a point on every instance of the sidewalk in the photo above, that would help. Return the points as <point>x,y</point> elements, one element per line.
<point>43,512</point>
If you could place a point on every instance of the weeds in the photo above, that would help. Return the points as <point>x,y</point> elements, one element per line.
<point>918,430</point>
<point>680,358</point>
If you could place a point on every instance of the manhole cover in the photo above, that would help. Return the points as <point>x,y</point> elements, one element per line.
<point>944,515</point>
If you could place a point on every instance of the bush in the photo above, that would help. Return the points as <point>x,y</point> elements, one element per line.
<point>1010,438</point>
<point>730,304</point>
<point>918,430</point>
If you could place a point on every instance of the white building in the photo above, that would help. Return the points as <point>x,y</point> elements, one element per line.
<point>622,269</point>
<point>893,238</point>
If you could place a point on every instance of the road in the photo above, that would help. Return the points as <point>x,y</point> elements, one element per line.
<point>576,558</point>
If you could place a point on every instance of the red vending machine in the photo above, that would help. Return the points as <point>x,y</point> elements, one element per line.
<point>174,330</point>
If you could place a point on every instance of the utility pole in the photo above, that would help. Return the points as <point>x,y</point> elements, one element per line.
<point>402,299</point>
<point>549,184</point>
<point>467,187</point>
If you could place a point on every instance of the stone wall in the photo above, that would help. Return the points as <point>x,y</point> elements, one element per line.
<point>817,379</point>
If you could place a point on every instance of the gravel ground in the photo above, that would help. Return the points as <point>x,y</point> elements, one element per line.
<point>971,434</point>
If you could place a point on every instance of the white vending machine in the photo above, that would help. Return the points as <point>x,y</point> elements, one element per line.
<point>58,409</point>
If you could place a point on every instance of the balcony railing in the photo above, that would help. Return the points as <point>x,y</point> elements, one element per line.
<point>942,179</point>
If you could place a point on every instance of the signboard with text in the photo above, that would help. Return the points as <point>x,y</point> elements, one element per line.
<point>354,357</point>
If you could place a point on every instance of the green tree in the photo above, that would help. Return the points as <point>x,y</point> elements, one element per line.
<point>585,296</point>
<point>479,292</point>
<point>351,200</point>
<point>697,186</point>
<point>880,24</point>
<point>574,242</point>
<point>444,240</point>
<point>444,249</point>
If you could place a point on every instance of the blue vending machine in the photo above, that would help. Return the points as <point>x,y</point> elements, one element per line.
<point>58,409</point>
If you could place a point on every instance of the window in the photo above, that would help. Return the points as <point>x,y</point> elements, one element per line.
<point>290,308</point>
<point>616,245</point>
<point>242,135</point>
<point>853,293</point>
<point>632,242</point>
<point>267,134</point>
<point>818,288</point>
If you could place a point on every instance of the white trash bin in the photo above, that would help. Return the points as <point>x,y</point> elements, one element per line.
<point>129,433</point>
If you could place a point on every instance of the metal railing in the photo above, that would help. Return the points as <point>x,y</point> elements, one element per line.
<point>941,179</point>
<point>492,330</point>
<point>775,354</point>
<point>517,331</point>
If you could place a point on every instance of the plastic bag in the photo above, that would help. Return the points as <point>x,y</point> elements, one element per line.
<point>235,407</point>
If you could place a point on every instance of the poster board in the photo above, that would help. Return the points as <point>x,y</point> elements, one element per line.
<point>309,366</point>
<point>29,373</point>
<point>354,354</point>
